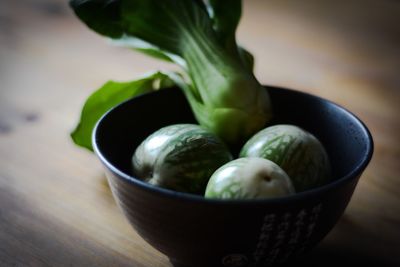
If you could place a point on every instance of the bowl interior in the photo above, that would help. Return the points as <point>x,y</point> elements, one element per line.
<point>346,139</point>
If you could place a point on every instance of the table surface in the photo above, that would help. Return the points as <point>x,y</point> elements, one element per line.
<point>56,208</point>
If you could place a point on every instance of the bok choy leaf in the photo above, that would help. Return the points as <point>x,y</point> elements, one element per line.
<point>222,91</point>
<point>111,94</point>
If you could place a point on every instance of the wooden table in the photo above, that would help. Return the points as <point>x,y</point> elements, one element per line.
<point>55,206</point>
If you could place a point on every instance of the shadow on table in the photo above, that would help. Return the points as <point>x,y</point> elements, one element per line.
<point>351,245</point>
<point>333,257</point>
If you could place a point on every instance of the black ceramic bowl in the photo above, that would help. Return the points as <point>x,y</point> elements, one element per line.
<point>193,231</point>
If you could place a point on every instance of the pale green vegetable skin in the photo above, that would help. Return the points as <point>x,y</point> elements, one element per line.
<point>249,178</point>
<point>297,151</point>
<point>180,157</point>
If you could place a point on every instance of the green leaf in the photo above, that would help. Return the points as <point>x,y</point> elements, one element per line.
<point>247,58</point>
<point>109,95</point>
<point>225,21</point>
<point>225,17</point>
<point>164,24</point>
<point>101,16</point>
<point>149,49</point>
<point>228,98</point>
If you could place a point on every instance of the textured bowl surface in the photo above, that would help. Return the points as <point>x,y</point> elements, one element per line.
<point>193,231</point>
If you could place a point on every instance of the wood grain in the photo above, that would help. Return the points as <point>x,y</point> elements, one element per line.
<point>55,206</point>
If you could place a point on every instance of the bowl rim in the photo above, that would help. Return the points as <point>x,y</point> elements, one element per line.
<point>163,192</point>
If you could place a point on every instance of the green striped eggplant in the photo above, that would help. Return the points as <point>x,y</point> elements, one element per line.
<point>180,157</point>
<point>297,151</point>
<point>249,178</point>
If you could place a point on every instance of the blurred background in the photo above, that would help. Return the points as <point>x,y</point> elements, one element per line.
<point>55,206</point>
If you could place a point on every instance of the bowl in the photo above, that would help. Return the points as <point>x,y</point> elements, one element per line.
<point>194,231</point>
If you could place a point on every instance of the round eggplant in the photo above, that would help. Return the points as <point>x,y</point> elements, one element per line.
<point>295,150</point>
<point>249,178</point>
<point>180,157</point>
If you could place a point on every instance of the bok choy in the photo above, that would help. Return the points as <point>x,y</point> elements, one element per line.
<point>217,77</point>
